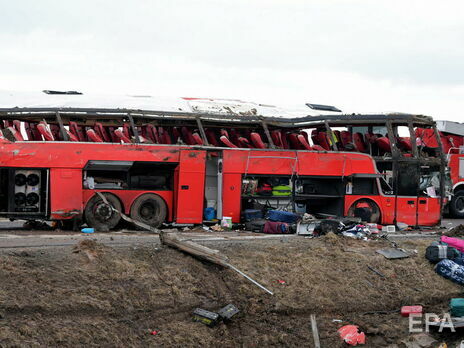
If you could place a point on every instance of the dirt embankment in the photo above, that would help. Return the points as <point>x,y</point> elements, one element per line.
<point>98,296</point>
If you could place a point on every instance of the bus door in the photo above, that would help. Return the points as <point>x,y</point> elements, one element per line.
<point>190,187</point>
<point>405,187</point>
<point>428,207</point>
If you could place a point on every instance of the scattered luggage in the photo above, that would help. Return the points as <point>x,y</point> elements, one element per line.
<point>282,216</point>
<point>450,270</point>
<point>457,307</point>
<point>454,242</point>
<point>264,190</point>
<point>281,190</point>
<point>255,225</point>
<point>406,311</point>
<point>438,251</point>
<point>252,214</point>
<point>274,227</point>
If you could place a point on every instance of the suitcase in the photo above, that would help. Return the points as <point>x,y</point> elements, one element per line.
<point>438,251</point>
<point>255,225</point>
<point>282,216</point>
<point>252,214</point>
<point>450,270</point>
<point>457,307</point>
<point>272,227</point>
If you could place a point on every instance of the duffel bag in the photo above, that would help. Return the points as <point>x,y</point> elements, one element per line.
<point>264,190</point>
<point>282,216</point>
<point>252,214</point>
<point>456,243</point>
<point>273,227</point>
<point>255,225</point>
<point>281,190</point>
<point>438,251</point>
<point>450,270</point>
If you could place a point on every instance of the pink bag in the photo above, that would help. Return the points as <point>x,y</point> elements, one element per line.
<point>454,242</point>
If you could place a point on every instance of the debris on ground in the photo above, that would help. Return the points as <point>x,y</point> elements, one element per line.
<point>393,253</point>
<point>208,318</point>
<point>457,231</point>
<point>53,298</point>
<point>351,335</point>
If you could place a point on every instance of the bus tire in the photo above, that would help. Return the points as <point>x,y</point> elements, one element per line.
<point>457,204</point>
<point>99,215</point>
<point>150,209</point>
<point>367,206</point>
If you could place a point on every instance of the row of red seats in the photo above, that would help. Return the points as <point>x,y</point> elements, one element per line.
<point>216,137</point>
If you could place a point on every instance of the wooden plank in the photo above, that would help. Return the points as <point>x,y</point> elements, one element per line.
<point>317,342</point>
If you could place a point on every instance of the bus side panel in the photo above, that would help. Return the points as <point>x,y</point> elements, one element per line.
<point>406,211</point>
<point>429,211</point>
<point>191,187</point>
<point>65,193</point>
<point>231,196</point>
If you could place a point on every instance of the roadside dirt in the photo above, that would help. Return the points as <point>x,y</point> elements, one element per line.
<point>92,295</point>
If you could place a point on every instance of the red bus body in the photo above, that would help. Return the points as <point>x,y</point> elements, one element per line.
<point>140,166</point>
<point>66,161</point>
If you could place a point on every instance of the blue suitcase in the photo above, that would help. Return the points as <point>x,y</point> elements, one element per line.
<point>450,270</point>
<point>283,216</point>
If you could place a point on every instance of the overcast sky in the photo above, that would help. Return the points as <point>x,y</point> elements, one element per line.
<point>358,55</point>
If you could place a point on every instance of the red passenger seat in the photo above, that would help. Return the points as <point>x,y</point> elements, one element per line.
<point>294,142</point>
<point>101,132</point>
<point>93,136</point>
<point>244,142</point>
<point>384,144</point>
<point>304,142</point>
<point>314,136</point>
<point>359,143</point>
<point>77,131</point>
<point>211,136</point>
<point>165,138</point>
<point>323,141</point>
<point>276,137</point>
<point>256,140</point>
<point>45,132</point>
<point>187,136</point>
<point>346,138</point>
<point>17,135</point>
<point>122,138</point>
<point>197,138</point>
<point>227,142</point>
<point>404,143</point>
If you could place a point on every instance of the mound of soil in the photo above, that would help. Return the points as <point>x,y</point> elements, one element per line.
<point>58,298</point>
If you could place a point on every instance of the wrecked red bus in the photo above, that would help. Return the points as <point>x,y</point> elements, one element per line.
<point>160,167</point>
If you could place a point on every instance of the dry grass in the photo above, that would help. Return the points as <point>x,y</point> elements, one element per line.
<point>116,297</point>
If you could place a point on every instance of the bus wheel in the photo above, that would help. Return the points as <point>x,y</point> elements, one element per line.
<point>457,204</point>
<point>366,209</point>
<point>100,215</point>
<point>149,209</point>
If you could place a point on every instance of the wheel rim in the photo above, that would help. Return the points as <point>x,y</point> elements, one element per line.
<point>147,211</point>
<point>102,212</point>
